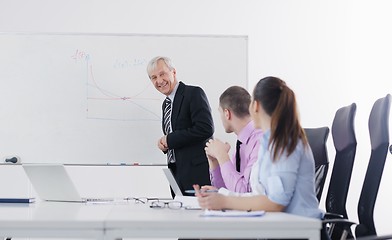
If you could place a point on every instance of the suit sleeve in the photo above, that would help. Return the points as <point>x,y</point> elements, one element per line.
<point>196,124</point>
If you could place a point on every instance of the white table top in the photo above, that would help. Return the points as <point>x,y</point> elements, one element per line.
<point>110,221</point>
<point>53,219</point>
<point>137,220</point>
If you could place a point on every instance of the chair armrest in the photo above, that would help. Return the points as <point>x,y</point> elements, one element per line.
<point>343,224</point>
<point>329,215</point>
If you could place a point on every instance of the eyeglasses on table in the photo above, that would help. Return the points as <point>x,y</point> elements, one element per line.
<point>169,204</point>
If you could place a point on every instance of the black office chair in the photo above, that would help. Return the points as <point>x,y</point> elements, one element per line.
<point>317,138</point>
<point>345,143</point>
<point>379,141</point>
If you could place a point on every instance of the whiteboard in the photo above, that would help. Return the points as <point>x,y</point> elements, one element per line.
<point>87,99</point>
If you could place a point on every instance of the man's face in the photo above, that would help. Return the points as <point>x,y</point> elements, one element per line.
<point>163,78</point>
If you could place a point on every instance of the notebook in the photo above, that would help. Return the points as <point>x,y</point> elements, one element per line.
<point>189,202</point>
<point>52,183</point>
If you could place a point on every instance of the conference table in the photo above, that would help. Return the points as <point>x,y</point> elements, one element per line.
<point>53,219</point>
<point>110,221</point>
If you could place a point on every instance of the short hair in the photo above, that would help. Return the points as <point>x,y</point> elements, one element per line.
<point>236,99</point>
<point>153,63</point>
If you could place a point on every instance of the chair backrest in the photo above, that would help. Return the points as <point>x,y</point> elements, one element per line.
<point>317,138</point>
<point>345,143</point>
<point>379,141</point>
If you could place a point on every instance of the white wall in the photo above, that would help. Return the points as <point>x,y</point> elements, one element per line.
<point>332,53</point>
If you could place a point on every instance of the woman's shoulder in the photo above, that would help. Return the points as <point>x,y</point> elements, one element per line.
<point>302,150</point>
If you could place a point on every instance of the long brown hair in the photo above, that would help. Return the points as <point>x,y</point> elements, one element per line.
<point>278,101</point>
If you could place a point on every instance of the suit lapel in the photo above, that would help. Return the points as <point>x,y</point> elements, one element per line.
<point>178,98</point>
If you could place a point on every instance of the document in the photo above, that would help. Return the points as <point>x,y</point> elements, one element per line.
<point>232,213</point>
<point>188,202</point>
<point>17,200</point>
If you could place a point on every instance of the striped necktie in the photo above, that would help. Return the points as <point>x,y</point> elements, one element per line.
<point>167,127</point>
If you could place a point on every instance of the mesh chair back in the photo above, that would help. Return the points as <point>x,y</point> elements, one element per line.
<point>345,143</point>
<point>379,141</point>
<point>317,138</point>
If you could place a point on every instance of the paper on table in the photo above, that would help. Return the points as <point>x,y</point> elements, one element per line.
<point>188,202</point>
<point>232,213</point>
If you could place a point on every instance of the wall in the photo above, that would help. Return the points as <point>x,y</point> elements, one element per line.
<point>332,53</point>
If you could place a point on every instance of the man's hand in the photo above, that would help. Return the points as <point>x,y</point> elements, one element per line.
<point>218,150</point>
<point>162,144</point>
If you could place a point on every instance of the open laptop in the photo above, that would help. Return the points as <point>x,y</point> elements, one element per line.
<point>172,181</point>
<point>189,202</point>
<point>52,183</point>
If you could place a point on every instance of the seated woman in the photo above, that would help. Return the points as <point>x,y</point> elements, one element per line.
<point>282,179</point>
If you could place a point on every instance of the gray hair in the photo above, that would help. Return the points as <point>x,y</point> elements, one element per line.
<point>153,64</point>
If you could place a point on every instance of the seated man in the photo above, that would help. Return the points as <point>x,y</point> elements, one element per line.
<point>234,173</point>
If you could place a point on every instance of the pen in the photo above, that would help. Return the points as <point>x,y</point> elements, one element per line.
<point>193,191</point>
<point>213,190</point>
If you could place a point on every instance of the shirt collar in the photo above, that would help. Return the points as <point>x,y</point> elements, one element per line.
<point>266,137</point>
<point>246,132</point>
<point>173,93</point>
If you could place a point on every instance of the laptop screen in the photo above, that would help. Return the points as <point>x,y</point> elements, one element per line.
<point>52,182</point>
<point>172,181</point>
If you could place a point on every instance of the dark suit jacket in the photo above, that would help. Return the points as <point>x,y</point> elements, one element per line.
<point>192,126</point>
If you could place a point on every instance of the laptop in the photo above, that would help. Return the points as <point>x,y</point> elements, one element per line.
<point>52,183</point>
<point>189,202</point>
<point>172,181</point>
